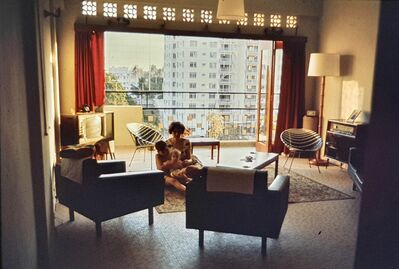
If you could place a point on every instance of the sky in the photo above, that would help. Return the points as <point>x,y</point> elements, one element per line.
<point>130,49</point>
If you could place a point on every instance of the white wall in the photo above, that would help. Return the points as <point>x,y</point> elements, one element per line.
<point>349,28</point>
<point>122,116</point>
<point>27,134</point>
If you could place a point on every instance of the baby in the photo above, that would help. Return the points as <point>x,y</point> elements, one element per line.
<point>169,162</point>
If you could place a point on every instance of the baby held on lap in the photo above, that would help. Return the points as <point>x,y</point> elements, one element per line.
<point>171,163</point>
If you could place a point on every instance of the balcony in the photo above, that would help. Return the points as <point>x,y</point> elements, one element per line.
<point>158,110</point>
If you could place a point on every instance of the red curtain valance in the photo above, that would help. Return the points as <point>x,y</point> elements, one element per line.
<point>89,69</point>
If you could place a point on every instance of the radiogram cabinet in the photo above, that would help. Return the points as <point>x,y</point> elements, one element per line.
<point>342,135</point>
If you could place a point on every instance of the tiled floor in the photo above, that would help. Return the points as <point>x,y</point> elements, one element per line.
<point>314,235</point>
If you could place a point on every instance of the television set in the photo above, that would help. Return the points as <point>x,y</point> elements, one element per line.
<point>85,128</point>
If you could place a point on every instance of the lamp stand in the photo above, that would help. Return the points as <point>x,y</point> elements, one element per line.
<point>318,161</point>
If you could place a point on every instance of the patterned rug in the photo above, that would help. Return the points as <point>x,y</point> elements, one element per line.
<point>302,189</point>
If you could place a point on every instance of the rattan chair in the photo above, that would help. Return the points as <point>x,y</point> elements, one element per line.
<point>300,141</point>
<point>144,136</point>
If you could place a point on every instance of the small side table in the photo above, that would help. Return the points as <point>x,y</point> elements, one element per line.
<point>206,141</point>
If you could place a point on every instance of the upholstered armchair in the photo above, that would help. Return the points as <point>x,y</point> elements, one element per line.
<point>355,168</point>
<point>256,211</point>
<point>106,191</point>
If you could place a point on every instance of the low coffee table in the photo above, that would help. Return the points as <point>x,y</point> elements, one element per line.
<point>259,160</point>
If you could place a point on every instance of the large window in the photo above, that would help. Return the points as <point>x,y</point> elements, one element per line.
<point>150,69</point>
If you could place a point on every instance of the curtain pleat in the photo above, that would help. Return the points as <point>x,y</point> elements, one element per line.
<point>89,69</point>
<point>292,93</point>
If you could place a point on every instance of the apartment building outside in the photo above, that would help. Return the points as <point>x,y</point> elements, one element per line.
<point>214,76</point>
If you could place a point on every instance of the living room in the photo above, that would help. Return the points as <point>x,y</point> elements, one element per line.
<point>348,28</point>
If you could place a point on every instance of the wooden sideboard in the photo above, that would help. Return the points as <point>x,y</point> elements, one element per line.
<point>342,135</point>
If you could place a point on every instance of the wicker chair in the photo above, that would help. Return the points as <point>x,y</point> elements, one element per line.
<point>300,141</point>
<point>144,137</point>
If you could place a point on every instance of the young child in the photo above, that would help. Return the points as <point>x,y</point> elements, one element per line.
<point>162,156</point>
<point>169,162</point>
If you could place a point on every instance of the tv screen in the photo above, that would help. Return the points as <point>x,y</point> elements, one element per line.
<point>91,128</point>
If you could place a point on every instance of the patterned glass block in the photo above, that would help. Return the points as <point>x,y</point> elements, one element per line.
<point>292,22</point>
<point>169,14</point>
<point>109,10</point>
<point>275,20</point>
<point>188,15</point>
<point>224,22</point>
<point>259,19</point>
<point>206,16</point>
<point>130,11</point>
<point>89,8</point>
<point>243,21</point>
<point>150,12</point>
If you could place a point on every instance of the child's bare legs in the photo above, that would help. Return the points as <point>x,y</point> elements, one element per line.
<point>180,175</point>
<point>193,171</point>
<point>175,183</point>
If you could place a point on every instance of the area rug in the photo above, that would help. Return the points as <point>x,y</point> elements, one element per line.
<point>302,189</point>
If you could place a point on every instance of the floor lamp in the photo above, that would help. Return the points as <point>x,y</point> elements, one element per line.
<point>323,65</point>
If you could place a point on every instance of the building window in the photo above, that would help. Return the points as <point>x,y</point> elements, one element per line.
<point>193,43</point>
<point>193,54</point>
<point>193,85</point>
<point>212,96</point>
<point>213,54</point>
<point>212,75</point>
<point>193,64</point>
<point>193,95</point>
<point>193,75</point>
<point>224,97</point>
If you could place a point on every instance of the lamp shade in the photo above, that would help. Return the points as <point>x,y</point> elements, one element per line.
<point>230,10</point>
<point>323,64</point>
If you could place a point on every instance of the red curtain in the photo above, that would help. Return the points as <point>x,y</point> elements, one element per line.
<point>292,93</point>
<point>89,69</point>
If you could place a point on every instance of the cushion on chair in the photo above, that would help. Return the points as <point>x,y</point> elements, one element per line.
<point>227,179</point>
<point>73,169</point>
<point>72,161</point>
<point>77,151</point>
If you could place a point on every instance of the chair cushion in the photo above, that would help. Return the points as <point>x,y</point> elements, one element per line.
<point>77,151</point>
<point>227,179</point>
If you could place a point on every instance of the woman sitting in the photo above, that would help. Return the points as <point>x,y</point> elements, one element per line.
<point>177,141</point>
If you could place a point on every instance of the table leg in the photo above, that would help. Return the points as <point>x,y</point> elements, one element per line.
<point>212,152</point>
<point>218,152</point>
<point>276,168</point>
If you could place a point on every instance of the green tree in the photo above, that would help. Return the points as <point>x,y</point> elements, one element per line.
<point>114,96</point>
